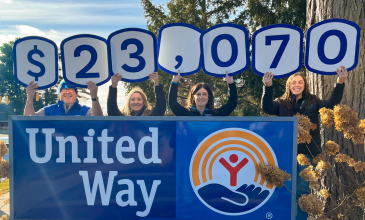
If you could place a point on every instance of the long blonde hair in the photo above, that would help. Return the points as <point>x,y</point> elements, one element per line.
<point>126,110</point>
<point>286,99</point>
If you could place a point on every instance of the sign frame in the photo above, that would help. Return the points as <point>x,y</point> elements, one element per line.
<point>155,118</point>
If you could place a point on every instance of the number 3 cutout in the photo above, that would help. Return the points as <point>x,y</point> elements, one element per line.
<point>278,49</point>
<point>84,58</point>
<point>132,53</point>
<point>330,44</point>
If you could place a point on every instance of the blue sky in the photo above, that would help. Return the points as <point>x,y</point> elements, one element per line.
<point>57,20</point>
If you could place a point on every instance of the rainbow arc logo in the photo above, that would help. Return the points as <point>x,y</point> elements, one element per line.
<point>224,171</point>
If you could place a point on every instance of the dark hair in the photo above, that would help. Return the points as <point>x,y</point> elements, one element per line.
<point>287,97</point>
<point>195,89</point>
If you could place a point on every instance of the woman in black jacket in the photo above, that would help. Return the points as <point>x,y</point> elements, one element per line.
<point>298,99</point>
<point>201,99</point>
<point>136,103</point>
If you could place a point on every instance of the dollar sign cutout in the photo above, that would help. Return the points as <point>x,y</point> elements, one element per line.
<point>36,63</point>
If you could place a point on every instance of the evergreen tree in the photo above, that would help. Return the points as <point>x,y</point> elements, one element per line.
<point>203,14</point>
<point>16,93</point>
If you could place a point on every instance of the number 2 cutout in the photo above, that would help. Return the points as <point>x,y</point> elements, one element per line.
<point>278,49</point>
<point>94,56</point>
<point>84,58</point>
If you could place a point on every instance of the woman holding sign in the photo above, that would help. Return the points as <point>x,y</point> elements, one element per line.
<point>201,99</point>
<point>298,99</point>
<point>136,103</point>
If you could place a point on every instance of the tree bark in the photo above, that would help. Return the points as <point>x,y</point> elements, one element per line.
<point>339,180</point>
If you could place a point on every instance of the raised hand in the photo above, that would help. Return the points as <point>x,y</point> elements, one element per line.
<point>228,78</point>
<point>31,89</point>
<point>93,89</point>
<point>342,74</point>
<point>267,79</point>
<point>155,78</point>
<point>176,78</point>
<point>115,80</point>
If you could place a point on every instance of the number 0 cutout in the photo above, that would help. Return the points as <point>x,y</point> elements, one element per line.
<point>278,49</point>
<point>132,53</point>
<point>330,44</point>
<point>84,58</point>
<point>225,47</point>
<point>35,59</point>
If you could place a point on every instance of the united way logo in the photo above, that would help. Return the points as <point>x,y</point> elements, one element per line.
<point>224,171</point>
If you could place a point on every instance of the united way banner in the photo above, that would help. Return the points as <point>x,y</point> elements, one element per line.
<point>158,167</point>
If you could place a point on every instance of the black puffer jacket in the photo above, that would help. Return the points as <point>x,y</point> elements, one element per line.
<point>158,110</point>
<point>225,110</point>
<point>309,109</point>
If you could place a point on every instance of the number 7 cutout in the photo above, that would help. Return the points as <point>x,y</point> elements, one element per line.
<point>84,58</point>
<point>132,52</point>
<point>278,49</point>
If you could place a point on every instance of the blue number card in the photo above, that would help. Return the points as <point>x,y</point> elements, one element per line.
<point>35,59</point>
<point>179,49</point>
<point>132,53</point>
<point>278,49</point>
<point>84,59</point>
<point>225,47</point>
<point>330,44</point>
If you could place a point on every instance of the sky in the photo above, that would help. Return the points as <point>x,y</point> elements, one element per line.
<point>57,20</point>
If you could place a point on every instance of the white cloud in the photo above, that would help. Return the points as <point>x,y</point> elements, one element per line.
<point>6,38</point>
<point>7,1</point>
<point>73,13</point>
<point>14,31</point>
<point>25,30</point>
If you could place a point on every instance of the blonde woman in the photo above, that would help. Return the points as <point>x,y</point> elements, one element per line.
<point>136,103</point>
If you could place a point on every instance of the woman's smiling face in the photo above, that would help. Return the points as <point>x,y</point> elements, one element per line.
<point>297,85</point>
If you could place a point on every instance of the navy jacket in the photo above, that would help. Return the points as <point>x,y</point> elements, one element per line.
<point>309,109</point>
<point>58,109</point>
<point>225,110</point>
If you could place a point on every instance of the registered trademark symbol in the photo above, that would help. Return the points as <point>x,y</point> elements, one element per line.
<point>269,215</point>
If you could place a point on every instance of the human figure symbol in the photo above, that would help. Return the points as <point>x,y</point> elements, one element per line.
<point>233,171</point>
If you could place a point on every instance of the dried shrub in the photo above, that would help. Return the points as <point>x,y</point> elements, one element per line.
<point>314,185</point>
<point>4,169</point>
<point>3,149</point>
<point>309,175</point>
<point>319,157</point>
<point>324,193</point>
<point>322,166</point>
<point>359,166</point>
<point>347,120</point>
<point>327,117</point>
<point>360,193</point>
<point>303,160</point>
<point>344,158</point>
<point>304,127</point>
<point>321,217</point>
<point>311,204</point>
<point>273,174</point>
<point>332,148</point>
<point>4,217</point>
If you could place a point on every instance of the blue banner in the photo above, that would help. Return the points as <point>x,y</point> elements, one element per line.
<point>101,168</point>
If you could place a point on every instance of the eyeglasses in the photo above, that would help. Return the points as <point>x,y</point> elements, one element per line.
<point>68,90</point>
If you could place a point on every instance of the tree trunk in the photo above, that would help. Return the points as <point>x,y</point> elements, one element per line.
<point>339,181</point>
